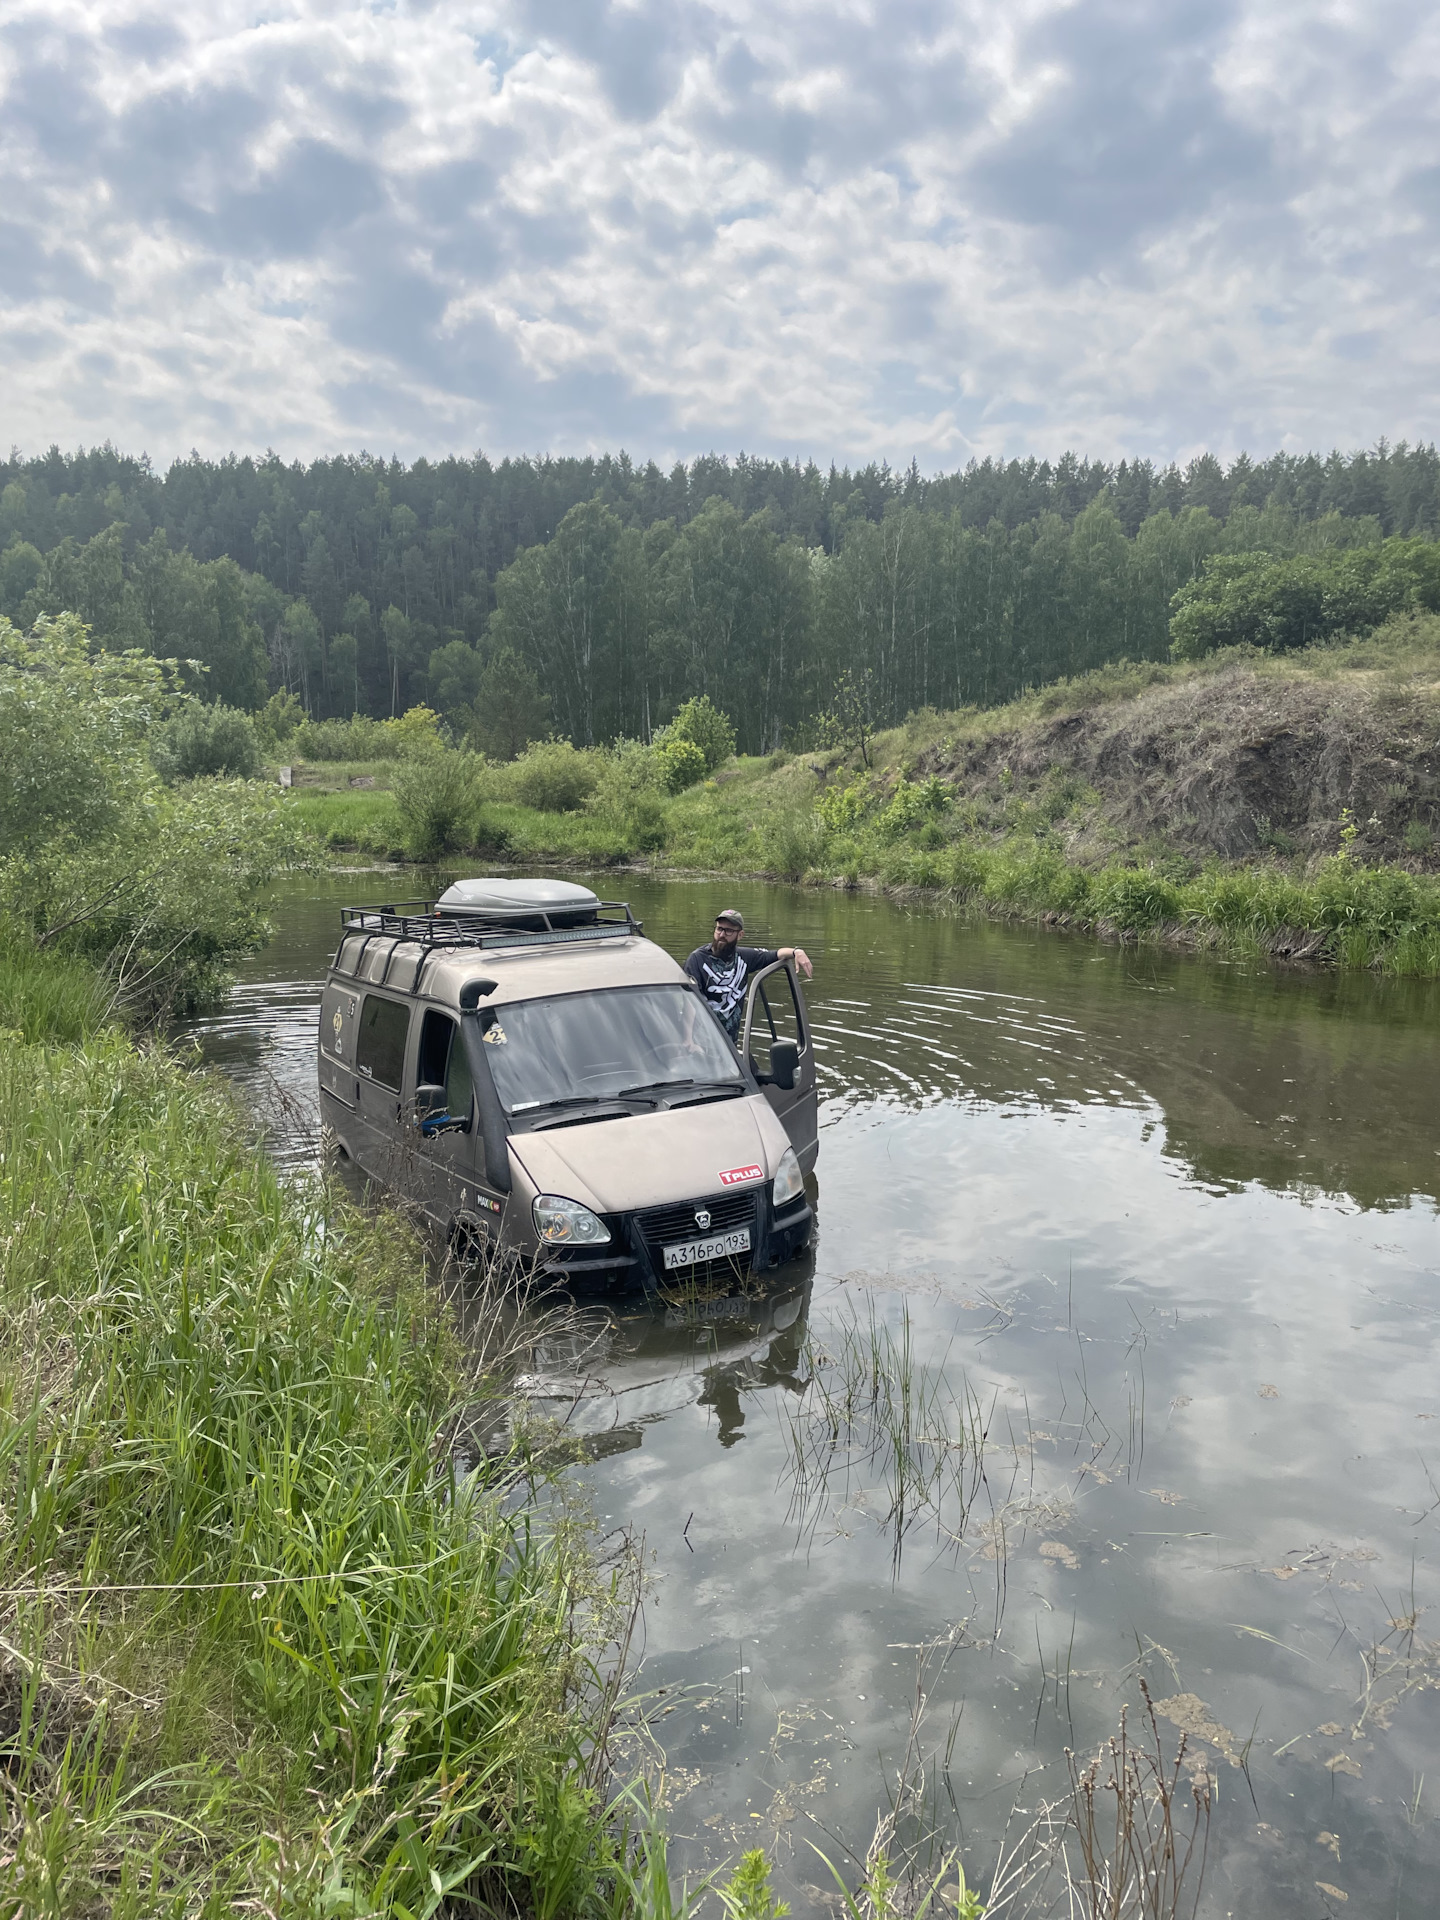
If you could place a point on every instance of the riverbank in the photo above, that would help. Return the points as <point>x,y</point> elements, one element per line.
<point>1287,805</point>
<point>267,1642</point>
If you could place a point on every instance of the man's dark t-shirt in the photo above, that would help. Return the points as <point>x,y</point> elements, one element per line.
<point>722,978</point>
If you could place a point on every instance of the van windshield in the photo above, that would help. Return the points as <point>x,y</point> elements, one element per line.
<point>587,1046</point>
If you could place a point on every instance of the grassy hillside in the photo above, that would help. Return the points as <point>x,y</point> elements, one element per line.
<point>1287,803</point>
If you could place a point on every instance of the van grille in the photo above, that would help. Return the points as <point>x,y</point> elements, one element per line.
<point>662,1226</point>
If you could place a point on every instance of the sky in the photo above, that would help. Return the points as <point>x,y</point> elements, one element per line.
<point>929,229</point>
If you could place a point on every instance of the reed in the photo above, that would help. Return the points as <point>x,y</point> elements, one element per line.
<point>872,1407</point>
<point>1141,1823</point>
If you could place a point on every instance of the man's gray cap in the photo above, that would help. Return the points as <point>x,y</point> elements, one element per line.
<point>731,916</point>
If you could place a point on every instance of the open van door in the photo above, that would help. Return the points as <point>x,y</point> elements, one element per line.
<point>775,1036</point>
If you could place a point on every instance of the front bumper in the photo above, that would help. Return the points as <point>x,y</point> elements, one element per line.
<point>634,1260</point>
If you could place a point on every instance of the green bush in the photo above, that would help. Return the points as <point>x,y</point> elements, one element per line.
<point>201,742</point>
<point>681,763</point>
<point>705,726</point>
<point>553,777</point>
<point>1383,901</point>
<point>843,808</point>
<point>491,835</point>
<point>435,796</point>
<point>645,823</point>
<point>357,738</point>
<point>624,770</point>
<point>159,886</point>
<point>911,803</point>
<point>277,720</point>
<point>1255,599</point>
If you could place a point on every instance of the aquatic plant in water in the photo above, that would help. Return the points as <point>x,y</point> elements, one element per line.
<point>870,1403</point>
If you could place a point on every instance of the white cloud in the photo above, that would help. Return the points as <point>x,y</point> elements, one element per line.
<point>868,229</point>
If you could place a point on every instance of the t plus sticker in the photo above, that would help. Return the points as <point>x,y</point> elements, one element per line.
<point>737,1176</point>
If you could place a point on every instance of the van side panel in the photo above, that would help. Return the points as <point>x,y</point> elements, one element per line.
<point>338,1008</point>
<point>381,1031</point>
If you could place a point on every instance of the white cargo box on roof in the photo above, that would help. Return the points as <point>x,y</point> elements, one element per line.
<point>500,896</point>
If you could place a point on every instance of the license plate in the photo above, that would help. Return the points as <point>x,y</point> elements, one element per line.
<point>714,1246</point>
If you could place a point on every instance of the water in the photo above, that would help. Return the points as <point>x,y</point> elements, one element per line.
<point>1166,1229</point>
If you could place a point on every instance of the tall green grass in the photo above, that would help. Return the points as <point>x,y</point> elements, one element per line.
<point>46,996</point>
<point>267,1646</point>
<point>364,820</point>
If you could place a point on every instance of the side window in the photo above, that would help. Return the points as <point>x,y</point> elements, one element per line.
<point>442,1063</point>
<point>436,1030</point>
<point>776,1015</point>
<point>380,1045</point>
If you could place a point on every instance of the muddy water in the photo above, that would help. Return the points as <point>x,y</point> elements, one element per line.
<point>1164,1232</point>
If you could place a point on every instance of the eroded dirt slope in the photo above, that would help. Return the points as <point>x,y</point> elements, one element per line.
<point>1235,763</point>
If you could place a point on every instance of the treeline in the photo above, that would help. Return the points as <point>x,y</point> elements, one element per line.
<point>365,586</point>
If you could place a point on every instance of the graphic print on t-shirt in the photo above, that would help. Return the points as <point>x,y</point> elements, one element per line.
<point>721,978</point>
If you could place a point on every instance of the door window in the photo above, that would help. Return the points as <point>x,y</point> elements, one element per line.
<point>442,1062</point>
<point>380,1046</point>
<point>776,1015</point>
<point>436,1032</point>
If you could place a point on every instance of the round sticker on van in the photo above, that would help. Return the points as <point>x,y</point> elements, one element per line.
<point>737,1176</point>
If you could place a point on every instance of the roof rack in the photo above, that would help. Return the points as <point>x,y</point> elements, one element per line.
<point>419,923</point>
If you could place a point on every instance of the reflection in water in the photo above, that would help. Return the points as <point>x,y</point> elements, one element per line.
<point>605,1373</point>
<point>1170,1227</point>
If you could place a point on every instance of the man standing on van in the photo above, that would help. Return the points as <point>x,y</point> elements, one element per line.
<point>721,970</point>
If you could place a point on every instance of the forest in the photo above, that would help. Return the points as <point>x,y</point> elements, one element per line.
<point>594,596</point>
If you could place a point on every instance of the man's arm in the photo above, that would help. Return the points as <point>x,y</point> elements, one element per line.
<point>758,957</point>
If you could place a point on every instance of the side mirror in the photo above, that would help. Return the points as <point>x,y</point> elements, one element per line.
<point>784,1065</point>
<point>430,1113</point>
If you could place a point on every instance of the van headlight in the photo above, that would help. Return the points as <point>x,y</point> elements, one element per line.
<point>789,1181</point>
<point>565,1223</point>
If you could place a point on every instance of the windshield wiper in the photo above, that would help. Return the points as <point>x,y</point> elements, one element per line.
<point>623,1093</point>
<point>566,1100</point>
<point>661,1086</point>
